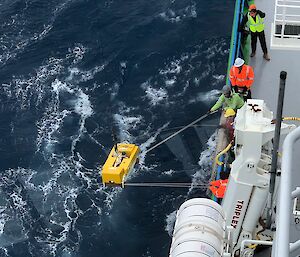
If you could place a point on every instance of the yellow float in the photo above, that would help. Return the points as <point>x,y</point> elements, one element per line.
<point>119,163</point>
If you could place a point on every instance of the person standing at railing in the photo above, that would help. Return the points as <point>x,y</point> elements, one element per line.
<point>241,78</point>
<point>255,19</point>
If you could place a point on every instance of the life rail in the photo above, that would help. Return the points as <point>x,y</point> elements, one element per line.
<point>286,25</point>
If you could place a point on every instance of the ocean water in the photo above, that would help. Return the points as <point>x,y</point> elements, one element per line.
<point>73,71</point>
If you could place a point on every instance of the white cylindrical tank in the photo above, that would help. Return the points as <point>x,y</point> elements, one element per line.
<point>255,208</point>
<point>199,229</point>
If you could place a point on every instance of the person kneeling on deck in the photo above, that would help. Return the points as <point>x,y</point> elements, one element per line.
<point>241,78</point>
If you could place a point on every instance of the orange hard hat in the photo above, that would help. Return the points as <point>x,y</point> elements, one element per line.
<point>252,7</point>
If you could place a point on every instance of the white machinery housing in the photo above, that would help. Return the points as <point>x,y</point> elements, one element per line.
<point>248,187</point>
<point>203,227</point>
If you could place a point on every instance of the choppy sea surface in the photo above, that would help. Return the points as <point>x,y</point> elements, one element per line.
<point>71,71</point>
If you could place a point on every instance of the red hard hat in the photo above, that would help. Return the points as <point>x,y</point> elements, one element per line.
<point>252,7</point>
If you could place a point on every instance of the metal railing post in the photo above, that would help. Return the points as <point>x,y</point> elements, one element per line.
<point>276,143</point>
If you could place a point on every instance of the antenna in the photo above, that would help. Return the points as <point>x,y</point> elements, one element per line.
<point>114,138</point>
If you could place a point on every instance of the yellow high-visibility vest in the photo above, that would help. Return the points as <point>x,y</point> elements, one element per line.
<point>258,25</point>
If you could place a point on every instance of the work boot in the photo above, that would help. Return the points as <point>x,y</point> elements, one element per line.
<point>252,54</point>
<point>266,57</point>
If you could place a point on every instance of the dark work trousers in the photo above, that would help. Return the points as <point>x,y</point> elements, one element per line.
<point>243,92</point>
<point>262,40</point>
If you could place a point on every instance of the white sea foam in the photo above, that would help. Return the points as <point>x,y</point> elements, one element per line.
<point>219,77</point>
<point>206,97</point>
<point>205,163</point>
<point>57,202</point>
<point>170,222</point>
<point>215,49</point>
<point>54,116</point>
<point>155,95</point>
<point>77,75</point>
<point>184,89</point>
<point>52,119</point>
<point>173,68</point>
<point>13,44</point>
<point>170,16</point>
<point>218,80</point>
<point>111,194</point>
<point>57,188</point>
<point>114,90</point>
<point>170,82</point>
<point>34,90</point>
<point>205,157</point>
<point>179,15</point>
<point>83,106</point>
<point>4,252</point>
<point>169,172</point>
<point>4,217</point>
<point>123,65</point>
<point>27,175</point>
<point>62,6</point>
<point>77,52</point>
<point>125,125</point>
<point>127,122</point>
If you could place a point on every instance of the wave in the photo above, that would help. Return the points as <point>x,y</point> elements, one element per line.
<point>205,163</point>
<point>54,115</point>
<point>176,16</point>
<point>34,90</point>
<point>206,97</point>
<point>18,31</point>
<point>170,222</point>
<point>77,75</point>
<point>127,122</point>
<point>155,95</point>
<point>54,188</point>
<point>173,68</point>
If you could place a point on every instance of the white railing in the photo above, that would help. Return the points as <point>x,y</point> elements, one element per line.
<point>282,247</point>
<point>287,13</point>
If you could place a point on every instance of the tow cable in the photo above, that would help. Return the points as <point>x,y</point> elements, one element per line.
<point>162,184</point>
<point>179,131</point>
<point>123,157</point>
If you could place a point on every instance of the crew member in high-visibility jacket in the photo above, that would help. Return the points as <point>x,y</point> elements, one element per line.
<point>228,101</point>
<point>255,20</point>
<point>241,78</point>
<point>218,187</point>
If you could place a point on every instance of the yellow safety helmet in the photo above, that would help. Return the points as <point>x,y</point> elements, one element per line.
<point>229,112</point>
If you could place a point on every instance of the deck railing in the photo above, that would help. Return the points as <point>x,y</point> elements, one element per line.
<point>286,26</point>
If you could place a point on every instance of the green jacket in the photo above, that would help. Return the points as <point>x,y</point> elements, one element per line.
<point>234,102</point>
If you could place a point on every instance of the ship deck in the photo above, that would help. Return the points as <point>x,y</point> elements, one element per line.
<point>266,86</point>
